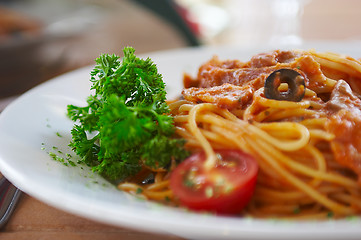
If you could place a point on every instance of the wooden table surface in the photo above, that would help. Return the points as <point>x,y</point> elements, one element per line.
<point>33,219</point>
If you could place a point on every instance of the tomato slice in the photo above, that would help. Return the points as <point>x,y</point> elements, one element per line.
<point>224,189</point>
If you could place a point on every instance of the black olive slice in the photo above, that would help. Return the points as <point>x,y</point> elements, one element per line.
<point>295,81</point>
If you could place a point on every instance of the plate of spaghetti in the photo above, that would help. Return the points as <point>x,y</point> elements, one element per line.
<point>202,143</point>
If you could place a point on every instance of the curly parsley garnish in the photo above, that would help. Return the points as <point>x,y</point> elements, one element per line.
<point>126,123</point>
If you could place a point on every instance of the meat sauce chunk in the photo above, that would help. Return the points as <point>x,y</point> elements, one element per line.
<point>225,96</point>
<point>272,58</point>
<point>345,124</point>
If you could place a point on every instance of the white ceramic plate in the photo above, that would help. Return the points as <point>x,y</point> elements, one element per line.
<point>36,123</point>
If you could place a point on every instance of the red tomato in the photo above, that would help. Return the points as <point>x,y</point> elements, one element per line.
<point>224,189</point>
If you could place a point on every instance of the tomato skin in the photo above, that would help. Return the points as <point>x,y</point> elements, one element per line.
<point>197,188</point>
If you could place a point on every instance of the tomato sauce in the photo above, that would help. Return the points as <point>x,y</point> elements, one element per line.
<point>231,84</point>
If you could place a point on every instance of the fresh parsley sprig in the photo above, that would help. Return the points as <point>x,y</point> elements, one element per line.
<point>126,123</point>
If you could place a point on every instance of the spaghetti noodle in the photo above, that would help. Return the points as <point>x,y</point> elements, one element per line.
<point>307,151</point>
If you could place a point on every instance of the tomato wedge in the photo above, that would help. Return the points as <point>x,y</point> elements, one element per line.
<point>224,189</point>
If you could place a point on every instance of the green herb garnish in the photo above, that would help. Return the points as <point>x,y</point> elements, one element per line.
<point>139,191</point>
<point>126,123</point>
<point>330,214</point>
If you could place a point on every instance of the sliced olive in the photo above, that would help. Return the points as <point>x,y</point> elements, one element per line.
<point>294,80</point>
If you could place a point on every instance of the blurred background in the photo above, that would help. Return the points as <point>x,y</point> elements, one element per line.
<point>40,39</point>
